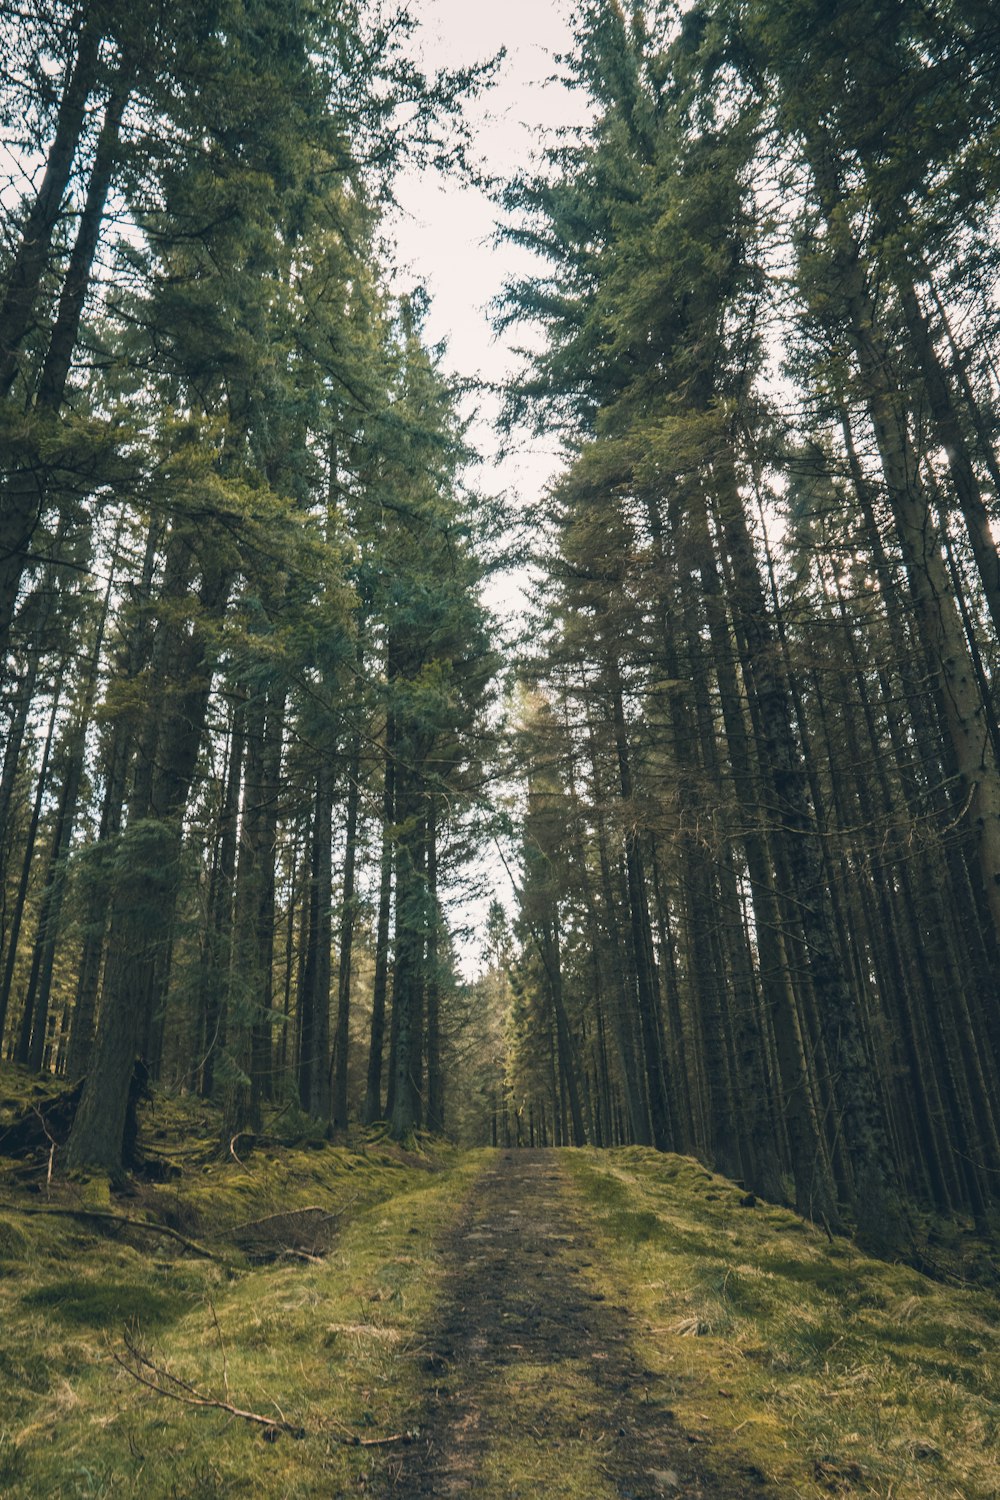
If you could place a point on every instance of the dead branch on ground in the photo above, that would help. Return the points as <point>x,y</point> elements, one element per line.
<point>164,1382</point>
<point>104,1216</point>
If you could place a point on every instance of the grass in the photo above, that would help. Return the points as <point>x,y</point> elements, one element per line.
<point>328,1342</point>
<point>831,1372</point>
<point>547,1445</point>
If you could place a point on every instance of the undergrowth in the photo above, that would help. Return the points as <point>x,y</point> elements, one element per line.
<point>322,1337</point>
<point>832,1372</point>
<point>311,1274</point>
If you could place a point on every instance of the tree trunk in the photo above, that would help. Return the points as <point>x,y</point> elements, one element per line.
<point>373,1092</point>
<point>24,493</point>
<point>36,1007</point>
<point>432,987</point>
<point>781,760</point>
<point>341,1039</point>
<point>142,908</point>
<point>314,999</point>
<point>14,931</point>
<point>408,974</point>
<point>642,943</point>
<point>31,257</point>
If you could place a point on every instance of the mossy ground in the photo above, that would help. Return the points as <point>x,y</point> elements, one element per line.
<point>831,1371</point>
<point>329,1343</point>
<point>790,1355</point>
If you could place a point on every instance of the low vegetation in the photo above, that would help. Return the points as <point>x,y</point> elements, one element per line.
<point>299,1282</point>
<point>835,1373</point>
<point>307,1309</point>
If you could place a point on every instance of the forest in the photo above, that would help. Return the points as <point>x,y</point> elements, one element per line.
<point>694,862</point>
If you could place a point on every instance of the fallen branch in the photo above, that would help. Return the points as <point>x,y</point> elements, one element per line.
<point>285,1213</point>
<point>163,1382</point>
<point>222,1347</point>
<point>107,1217</point>
<point>360,1442</point>
<point>302,1227</point>
<point>352,1440</point>
<point>52,1148</point>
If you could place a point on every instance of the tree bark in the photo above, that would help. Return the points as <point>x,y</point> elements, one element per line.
<point>25,489</point>
<point>341,1039</point>
<point>31,257</point>
<point>142,908</point>
<point>372,1110</point>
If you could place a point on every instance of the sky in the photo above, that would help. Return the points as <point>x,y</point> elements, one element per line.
<point>445,230</point>
<point>445,241</point>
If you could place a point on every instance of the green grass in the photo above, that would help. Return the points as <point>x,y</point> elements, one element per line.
<point>98,1303</point>
<point>830,1371</point>
<point>327,1342</point>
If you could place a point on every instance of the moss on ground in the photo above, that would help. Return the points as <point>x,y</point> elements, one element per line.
<point>551,1443</point>
<point>828,1371</point>
<point>324,1340</point>
<point>832,1372</point>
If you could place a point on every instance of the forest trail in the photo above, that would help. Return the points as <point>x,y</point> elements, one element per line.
<point>532,1385</point>
<point>621,1324</point>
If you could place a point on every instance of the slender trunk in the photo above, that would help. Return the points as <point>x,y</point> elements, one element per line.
<point>781,760</point>
<point>95,918</point>
<point>636,1102</point>
<point>776,988</point>
<point>314,1062</point>
<point>688,1090</point>
<point>28,267</point>
<point>408,974</point>
<point>373,1093</point>
<point>34,1020</point>
<point>219,916</point>
<point>14,931</point>
<point>25,491</point>
<point>12,754</point>
<point>939,625</point>
<point>66,329</point>
<point>622,1008</point>
<point>341,1039</point>
<point>952,440</point>
<point>245,979</point>
<point>642,944</point>
<point>36,1007</point>
<point>432,988</point>
<point>569,1069</point>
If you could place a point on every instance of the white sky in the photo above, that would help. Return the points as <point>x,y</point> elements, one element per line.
<point>445,231</point>
<point>445,238</point>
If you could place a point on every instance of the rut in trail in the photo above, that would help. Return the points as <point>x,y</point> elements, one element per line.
<point>532,1387</point>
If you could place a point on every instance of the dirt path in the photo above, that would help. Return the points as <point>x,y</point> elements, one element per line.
<point>532,1387</point>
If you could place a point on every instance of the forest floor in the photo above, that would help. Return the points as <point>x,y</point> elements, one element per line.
<point>315,1320</point>
<point>535,1384</point>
